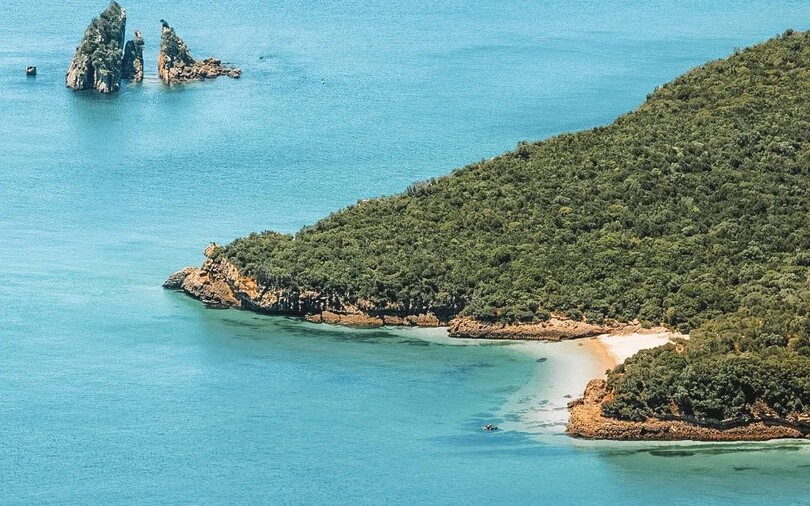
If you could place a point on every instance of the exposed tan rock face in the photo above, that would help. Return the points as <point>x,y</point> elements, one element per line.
<point>211,287</point>
<point>132,66</point>
<point>350,319</point>
<point>175,281</point>
<point>555,329</point>
<point>176,65</point>
<point>218,283</point>
<point>587,421</point>
<point>96,65</point>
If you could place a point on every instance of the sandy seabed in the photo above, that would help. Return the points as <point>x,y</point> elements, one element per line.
<point>564,368</point>
<point>541,406</point>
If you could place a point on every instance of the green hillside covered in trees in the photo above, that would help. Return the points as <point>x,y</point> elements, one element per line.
<point>691,207</point>
<point>692,211</point>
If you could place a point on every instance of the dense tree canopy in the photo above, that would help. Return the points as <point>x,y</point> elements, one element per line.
<point>103,40</point>
<point>734,369</point>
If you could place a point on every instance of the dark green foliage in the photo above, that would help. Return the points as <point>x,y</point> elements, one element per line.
<point>691,207</point>
<point>733,370</point>
<point>174,46</point>
<point>103,41</point>
<point>692,211</point>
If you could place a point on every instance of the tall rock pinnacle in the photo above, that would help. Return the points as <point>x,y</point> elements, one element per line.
<point>132,66</point>
<point>97,62</point>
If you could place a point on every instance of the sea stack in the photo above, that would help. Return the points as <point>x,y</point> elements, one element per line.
<point>132,66</point>
<point>176,65</point>
<point>97,62</point>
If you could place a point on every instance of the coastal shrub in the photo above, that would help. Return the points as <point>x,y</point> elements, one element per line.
<point>102,41</point>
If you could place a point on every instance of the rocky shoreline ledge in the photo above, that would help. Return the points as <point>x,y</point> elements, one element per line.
<point>219,284</point>
<point>587,421</point>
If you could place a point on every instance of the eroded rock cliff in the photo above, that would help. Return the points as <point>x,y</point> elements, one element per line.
<point>132,66</point>
<point>96,65</point>
<point>554,329</point>
<point>176,65</point>
<point>219,284</point>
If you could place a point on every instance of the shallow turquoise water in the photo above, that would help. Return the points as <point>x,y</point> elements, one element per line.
<point>113,390</point>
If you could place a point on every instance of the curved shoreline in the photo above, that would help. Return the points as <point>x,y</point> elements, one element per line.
<point>220,284</point>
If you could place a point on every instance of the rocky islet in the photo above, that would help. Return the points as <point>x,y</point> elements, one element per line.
<point>176,65</point>
<point>102,59</point>
<point>132,65</point>
<point>96,65</point>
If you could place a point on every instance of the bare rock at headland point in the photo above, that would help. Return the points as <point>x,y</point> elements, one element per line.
<point>176,65</point>
<point>219,284</point>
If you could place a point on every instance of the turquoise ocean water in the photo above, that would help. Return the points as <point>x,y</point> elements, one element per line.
<point>113,390</point>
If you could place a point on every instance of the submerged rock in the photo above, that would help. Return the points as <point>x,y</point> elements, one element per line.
<point>132,65</point>
<point>96,65</point>
<point>176,65</point>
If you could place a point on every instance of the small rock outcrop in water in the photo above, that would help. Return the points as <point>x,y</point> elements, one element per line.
<point>176,65</point>
<point>96,64</point>
<point>132,66</point>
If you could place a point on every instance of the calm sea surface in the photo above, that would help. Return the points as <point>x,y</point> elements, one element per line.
<point>113,390</point>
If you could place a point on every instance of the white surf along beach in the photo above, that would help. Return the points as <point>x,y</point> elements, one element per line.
<point>540,407</point>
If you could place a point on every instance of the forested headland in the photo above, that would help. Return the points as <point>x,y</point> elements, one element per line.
<point>691,212</point>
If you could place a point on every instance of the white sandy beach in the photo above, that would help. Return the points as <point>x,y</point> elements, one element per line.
<point>540,407</point>
<point>542,404</point>
<point>619,347</point>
